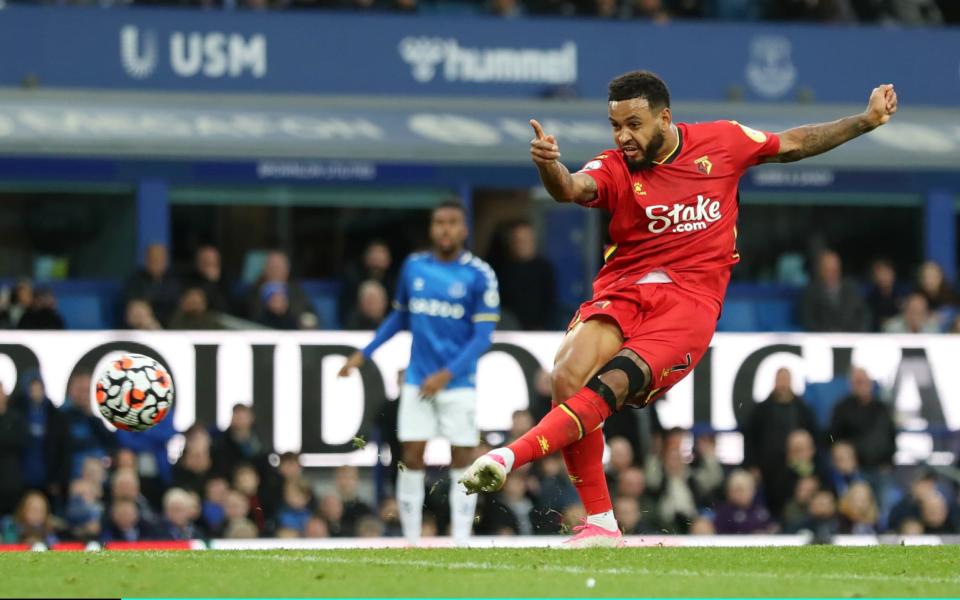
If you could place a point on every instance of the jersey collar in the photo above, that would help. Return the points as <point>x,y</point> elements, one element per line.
<point>676,149</point>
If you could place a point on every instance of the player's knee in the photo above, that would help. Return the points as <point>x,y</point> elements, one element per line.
<point>413,458</point>
<point>564,383</point>
<point>624,377</point>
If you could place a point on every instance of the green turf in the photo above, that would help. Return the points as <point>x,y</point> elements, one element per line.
<point>699,572</point>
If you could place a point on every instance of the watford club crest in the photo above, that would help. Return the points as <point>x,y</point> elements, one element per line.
<point>638,189</point>
<point>704,165</point>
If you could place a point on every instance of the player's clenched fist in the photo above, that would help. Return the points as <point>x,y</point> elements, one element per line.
<point>882,104</point>
<point>543,148</point>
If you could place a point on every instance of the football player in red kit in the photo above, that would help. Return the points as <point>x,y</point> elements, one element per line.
<point>671,190</point>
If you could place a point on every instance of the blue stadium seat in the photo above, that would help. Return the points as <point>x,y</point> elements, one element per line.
<point>82,311</point>
<point>776,315</point>
<point>738,315</point>
<point>822,396</point>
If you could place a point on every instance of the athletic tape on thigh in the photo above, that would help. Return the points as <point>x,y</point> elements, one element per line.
<point>636,380</point>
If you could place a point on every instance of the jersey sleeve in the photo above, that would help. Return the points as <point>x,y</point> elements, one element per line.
<point>602,168</point>
<point>485,301</point>
<point>402,295</point>
<point>750,146</point>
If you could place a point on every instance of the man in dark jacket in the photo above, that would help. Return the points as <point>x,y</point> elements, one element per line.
<point>767,429</point>
<point>867,423</point>
<point>832,303</point>
<point>45,461</point>
<point>13,436</point>
<point>88,435</point>
<point>527,281</point>
<point>155,283</point>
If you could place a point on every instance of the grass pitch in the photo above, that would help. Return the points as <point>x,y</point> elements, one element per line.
<point>892,571</point>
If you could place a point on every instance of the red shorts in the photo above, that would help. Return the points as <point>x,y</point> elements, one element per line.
<point>669,327</point>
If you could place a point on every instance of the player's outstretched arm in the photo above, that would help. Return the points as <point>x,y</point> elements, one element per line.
<point>557,180</point>
<point>810,140</point>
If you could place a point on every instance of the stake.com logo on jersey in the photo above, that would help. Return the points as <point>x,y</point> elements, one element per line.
<point>683,217</point>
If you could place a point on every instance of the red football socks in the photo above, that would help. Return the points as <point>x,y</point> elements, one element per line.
<point>562,426</point>
<point>584,460</point>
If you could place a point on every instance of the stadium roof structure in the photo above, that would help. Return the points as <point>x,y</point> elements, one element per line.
<point>357,139</point>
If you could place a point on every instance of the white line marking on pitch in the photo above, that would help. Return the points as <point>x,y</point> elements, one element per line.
<point>573,570</point>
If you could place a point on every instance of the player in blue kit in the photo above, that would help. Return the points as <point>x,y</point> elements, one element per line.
<point>449,301</point>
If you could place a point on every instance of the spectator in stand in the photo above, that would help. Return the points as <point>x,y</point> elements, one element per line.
<point>605,9</point>
<point>276,270</point>
<point>84,510</point>
<point>915,318</point>
<point>208,276</point>
<point>247,482</point>
<point>908,508</point>
<point>844,470</point>
<point>155,283</point>
<point>193,467</point>
<point>33,522</point>
<point>347,481</point>
<point>42,313</point>
<point>867,423</point>
<point>766,431</point>
<point>858,510</point>
<point>295,511</point>
<point>677,504</point>
<point>176,523</point>
<point>742,512</point>
<point>801,461</point>
<point>935,515</point>
<point>193,312</point>
<point>632,484</point>
<point>125,485</point>
<point>551,492</point>
<point>514,497</point>
<point>390,517</point>
<point>377,266</point>
<point>934,286</point>
<point>830,302</point>
<point>277,313</point>
<point>331,509</point>
<point>621,459</point>
<point>125,524</point>
<point>213,511</point>
<point>13,438</point>
<point>139,316</point>
<point>371,307</point>
<point>823,522</point>
<point>528,287</point>
<point>239,444</point>
<point>236,511</point>
<point>955,325</point>
<point>89,437</point>
<point>241,529</point>
<point>796,514</point>
<point>706,470</point>
<point>22,300</point>
<point>45,462</point>
<point>884,297</point>
<point>149,451</point>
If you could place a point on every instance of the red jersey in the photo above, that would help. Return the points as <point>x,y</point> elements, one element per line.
<point>680,216</point>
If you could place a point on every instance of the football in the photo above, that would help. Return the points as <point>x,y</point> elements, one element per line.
<point>134,392</point>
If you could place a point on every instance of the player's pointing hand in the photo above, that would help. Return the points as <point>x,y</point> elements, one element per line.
<point>543,148</point>
<point>882,104</point>
<point>356,360</point>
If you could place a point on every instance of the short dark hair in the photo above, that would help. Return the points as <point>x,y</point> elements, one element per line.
<point>451,203</point>
<point>640,84</point>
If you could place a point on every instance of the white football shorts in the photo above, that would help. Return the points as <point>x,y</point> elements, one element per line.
<point>451,414</point>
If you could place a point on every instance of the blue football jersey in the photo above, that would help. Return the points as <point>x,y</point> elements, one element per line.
<point>443,300</point>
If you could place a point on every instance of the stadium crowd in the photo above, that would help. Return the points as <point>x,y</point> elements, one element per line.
<point>65,476</point>
<point>888,12</point>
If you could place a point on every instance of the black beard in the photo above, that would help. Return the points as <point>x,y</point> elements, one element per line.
<point>649,155</point>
